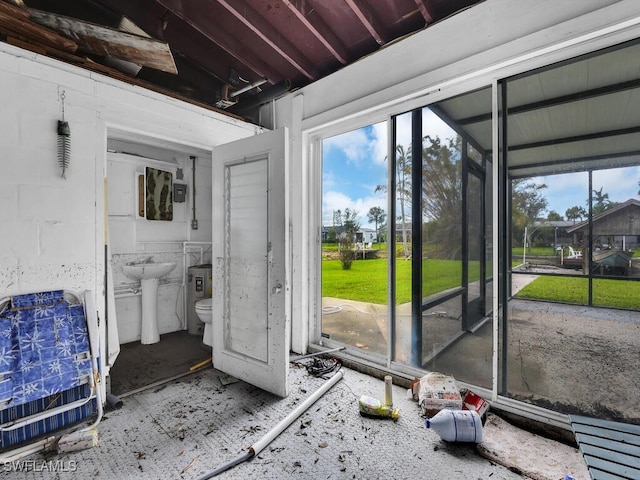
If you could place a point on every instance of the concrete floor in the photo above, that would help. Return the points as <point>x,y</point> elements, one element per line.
<point>190,426</point>
<point>140,365</point>
<point>568,358</point>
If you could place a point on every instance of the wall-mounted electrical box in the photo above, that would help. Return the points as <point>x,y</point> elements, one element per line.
<point>179,192</point>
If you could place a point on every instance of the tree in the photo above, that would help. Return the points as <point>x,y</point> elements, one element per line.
<point>403,191</point>
<point>601,201</point>
<point>332,235</point>
<point>554,216</point>
<point>528,204</point>
<point>575,213</point>
<point>347,237</point>
<point>377,215</point>
<point>442,195</point>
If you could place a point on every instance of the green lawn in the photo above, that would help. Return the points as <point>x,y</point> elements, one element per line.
<point>609,293</point>
<point>517,251</point>
<point>366,281</point>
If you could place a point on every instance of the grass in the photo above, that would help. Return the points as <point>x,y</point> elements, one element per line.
<point>366,281</point>
<point>606,292</point>
<point>547,251</point>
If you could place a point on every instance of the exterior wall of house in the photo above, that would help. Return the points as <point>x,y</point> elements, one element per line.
<point>53,229</point>
<point>491,40</point>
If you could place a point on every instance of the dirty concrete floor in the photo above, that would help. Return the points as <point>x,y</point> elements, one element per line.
<point>568,358</point>
<point>190,426</point>
<point>139,365</point>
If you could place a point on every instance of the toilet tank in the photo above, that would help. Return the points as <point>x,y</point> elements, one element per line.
<point>199,286</point>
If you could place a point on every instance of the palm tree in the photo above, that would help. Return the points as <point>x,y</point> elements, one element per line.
<point>377,215</point>
<point>575,213</point>
<point>601,201</point>
<point>403,190</point>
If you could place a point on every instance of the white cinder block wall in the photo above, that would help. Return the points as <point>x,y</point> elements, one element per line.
<point>52,228</point>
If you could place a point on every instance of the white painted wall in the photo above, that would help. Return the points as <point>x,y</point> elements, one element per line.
<point>53,229</point>
<point>491,40</point>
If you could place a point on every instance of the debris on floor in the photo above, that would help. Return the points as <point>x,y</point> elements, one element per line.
<point>204,363</point>
<point>473,401</point>
<point>78,440</point>
<point>227,379</point>
<point>434,392</point>
<point>372,407</point>
<point>456,425</point>
<point>328,439</point>
<point>531,455</point>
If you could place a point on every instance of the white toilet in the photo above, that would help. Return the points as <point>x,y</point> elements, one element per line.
<point>203,310</point>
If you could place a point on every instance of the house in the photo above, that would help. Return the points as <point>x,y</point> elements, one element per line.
<point>551,232</point>
<point>617,227</point>
<point>529,88</point>
<point>363,235</point>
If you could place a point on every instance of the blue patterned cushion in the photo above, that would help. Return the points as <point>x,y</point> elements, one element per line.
<point>44,348</point>
<point>33,299</point>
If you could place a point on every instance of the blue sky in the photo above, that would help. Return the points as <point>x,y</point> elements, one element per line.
<point>568,190</point>
<point>354,164</point>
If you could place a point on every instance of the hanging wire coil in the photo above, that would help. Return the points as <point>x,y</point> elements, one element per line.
<point>64,141</point>
<point>64,146</point>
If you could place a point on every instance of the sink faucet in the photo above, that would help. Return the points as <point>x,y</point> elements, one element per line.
<point>149,259</point>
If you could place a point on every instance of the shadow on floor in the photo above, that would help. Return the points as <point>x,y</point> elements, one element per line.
<point>140,365</point>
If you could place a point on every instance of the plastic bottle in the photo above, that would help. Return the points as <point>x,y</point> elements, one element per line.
<point>456,425</point>
<point>372,407</point>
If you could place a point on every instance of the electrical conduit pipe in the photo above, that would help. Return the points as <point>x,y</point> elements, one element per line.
<point>261,444</point>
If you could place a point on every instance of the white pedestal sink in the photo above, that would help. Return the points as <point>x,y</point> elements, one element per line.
<point>149,275</point>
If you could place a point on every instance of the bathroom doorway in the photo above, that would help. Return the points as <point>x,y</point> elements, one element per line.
<point>182,235</point>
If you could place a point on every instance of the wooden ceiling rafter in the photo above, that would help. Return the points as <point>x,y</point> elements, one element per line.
<point>318,27</point>
<point>221,44</point>
<point>366,16</point>
<point>425,11</point>
<point>256,23</point>
<point>226,42</point>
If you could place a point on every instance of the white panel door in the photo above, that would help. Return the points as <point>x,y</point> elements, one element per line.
<point>250,319</point>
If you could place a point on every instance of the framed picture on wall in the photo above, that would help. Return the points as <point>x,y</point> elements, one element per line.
<point>159,199</point>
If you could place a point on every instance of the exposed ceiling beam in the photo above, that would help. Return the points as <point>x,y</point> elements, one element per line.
<point>319,28</point>
<point>369,20</point>
<point>100,40</point>
<point>263,29</point>
<point>226,42</point>
<point>424,10</point>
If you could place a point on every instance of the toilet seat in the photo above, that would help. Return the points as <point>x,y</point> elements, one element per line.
<point>204,311</point>
<point>204,305</point>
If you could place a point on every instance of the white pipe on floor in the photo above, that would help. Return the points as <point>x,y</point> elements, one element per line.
<point>257,447</point>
